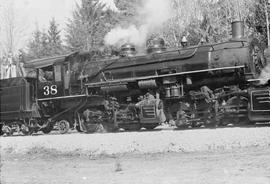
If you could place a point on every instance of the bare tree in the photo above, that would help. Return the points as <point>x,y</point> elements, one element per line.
<point>210,19</point>
<point>185,13</point>
<point>12,28</point>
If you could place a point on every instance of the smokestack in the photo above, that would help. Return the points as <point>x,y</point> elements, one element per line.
<point>237,30</point>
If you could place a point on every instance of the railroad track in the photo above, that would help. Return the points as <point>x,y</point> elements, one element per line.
<point>163,127</point>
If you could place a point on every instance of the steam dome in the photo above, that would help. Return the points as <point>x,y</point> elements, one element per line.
<point>127,50</point>
<point>156,45</point>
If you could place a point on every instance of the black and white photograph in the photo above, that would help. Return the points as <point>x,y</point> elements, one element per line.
<point>135,91</point>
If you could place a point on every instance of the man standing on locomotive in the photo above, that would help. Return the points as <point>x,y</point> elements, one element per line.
<point>150,99</point>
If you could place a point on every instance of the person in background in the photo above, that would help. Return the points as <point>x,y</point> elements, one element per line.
<point>21,69</point>
<point>160,108</point>
<point>131,108</point>
<point>149,96</point>
<point>150,99</point>
<point>184,42</point>
<point>4,68</point>
<point>12,68</point>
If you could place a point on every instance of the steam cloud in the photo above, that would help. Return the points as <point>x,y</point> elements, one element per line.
<point>152,16</point>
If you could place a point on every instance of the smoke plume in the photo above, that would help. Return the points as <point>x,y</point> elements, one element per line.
<point>152,16</point>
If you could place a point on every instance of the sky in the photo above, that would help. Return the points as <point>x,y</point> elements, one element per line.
<point>41,11</point>
<point>33,14</point>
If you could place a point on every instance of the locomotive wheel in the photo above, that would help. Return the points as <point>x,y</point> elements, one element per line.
<point>150,126</point>
<point>63,126</point>
<point>182,123</point>
<point>100,128</point>
<point>47,129</point>
<point>133,127</point>
<point>25,130</point>
<point>78,128</point>
<point>183,127</point>
<point>229,121</point>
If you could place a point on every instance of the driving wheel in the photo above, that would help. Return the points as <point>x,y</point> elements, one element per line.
<point>63,126</point>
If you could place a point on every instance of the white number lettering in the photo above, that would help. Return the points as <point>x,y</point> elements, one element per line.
<point>53,89</point>
<point>47,90</point>
<point>50,90</point>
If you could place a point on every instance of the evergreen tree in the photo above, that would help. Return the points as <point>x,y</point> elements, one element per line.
<point>45,43</point>
<point>257,19</point>
<point>45,46</point>
<point>39,46</point>
<point>53,39</point>
<point>88,26</point>
<point>35,46</point>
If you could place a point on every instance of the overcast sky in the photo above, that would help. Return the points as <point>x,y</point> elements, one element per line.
<point>33,13</point>
<point>41,11</point>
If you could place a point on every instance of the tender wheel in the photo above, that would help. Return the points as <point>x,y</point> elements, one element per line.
<point>1,131</point>
<point>7,130</point>
<point>63,126</point>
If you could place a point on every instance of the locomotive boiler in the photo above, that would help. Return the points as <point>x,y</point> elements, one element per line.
<point>197,85</point>
<point>193,86</point>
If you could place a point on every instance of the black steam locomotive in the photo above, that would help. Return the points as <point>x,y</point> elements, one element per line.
<point>196,86</point>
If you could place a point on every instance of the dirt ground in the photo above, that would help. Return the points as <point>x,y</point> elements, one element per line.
<point>247,166</point>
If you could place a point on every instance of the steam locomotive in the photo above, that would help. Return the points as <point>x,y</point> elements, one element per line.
<point>194,86</point>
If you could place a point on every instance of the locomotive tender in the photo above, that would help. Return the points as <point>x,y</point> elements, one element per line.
<point>191,86</point>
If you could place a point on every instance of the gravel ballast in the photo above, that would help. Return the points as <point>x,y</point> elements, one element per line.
<point>140,142</point>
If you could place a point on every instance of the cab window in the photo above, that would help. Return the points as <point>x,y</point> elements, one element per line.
<point>48,75</point>
<point>45,74</point>
<point>57,73</point>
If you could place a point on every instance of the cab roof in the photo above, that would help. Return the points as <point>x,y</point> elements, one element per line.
<point>45,62</point>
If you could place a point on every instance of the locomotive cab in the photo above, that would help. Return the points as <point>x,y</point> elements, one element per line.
<point>50,82</point>
<point>59,91</point>
<point>57,80</point>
